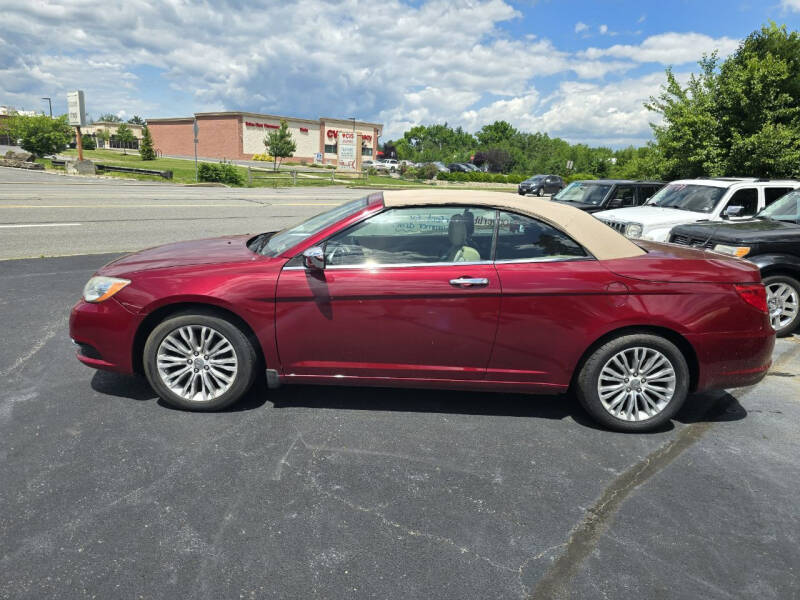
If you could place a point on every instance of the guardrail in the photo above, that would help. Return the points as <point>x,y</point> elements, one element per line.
<point>290,177</point>
<point>137,171</point>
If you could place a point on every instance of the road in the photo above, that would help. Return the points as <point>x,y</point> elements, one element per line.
<point>47,214</point>
<point>316,492</point>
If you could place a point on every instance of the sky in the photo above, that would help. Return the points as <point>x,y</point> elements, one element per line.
<point>576,69</point>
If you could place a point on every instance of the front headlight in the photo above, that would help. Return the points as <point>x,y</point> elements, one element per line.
<point>99,288</point>
<point>738,251</point>
<point>633,230</point>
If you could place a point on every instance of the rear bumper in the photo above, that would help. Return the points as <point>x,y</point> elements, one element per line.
<point>104,335</point>
<point>735,359</point>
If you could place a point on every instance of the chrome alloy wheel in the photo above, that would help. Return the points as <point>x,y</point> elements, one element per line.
<point>636,384</point>
<point>782,302</point>
<point>197,363</point>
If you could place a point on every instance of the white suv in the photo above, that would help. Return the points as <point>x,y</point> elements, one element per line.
<point>691,200</point>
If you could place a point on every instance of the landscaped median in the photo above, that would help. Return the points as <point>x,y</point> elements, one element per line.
<point>183,171</point>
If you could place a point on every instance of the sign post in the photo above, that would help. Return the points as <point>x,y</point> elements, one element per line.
<point>195,151</point>
<point>76,109</point>
<point>347,150</point>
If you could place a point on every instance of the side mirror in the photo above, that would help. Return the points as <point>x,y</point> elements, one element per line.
<point>733,211</point>
<point>314,258</point>
<point>614,203</point>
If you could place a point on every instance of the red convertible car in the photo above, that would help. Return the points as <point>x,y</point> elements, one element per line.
<point>436,289</point>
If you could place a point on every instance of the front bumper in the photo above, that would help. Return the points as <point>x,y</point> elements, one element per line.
<point>104,333</point>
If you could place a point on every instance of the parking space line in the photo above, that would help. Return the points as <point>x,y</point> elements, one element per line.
<point>16,225</point>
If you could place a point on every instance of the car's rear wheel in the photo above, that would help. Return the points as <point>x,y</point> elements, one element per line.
<point>199,362</point>
<point>783,301</point>
<point>634,382</point>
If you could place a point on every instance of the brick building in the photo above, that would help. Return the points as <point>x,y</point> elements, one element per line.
<point>240,135</point>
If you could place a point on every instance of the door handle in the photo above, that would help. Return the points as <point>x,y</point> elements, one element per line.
<point>468,282</point>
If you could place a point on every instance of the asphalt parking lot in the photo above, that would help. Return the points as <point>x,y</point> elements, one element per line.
<point>322,492</point>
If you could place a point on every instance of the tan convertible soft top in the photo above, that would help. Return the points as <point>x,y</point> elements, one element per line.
<point>599,239</point>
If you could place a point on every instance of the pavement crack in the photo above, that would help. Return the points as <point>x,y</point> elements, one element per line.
<point>407,530</point>
<point>597,519</point>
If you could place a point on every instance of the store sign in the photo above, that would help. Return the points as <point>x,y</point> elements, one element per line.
<point>304,130</point>
<point>267,125</point>
<point>76,108</point>
<point>334,133</point>
<point>347,150</point>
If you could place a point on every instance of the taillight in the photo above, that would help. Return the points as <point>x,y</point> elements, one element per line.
<point>754,294</point>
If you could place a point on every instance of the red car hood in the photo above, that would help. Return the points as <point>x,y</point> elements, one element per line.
<point>182,254</point>
<point>671,263</point>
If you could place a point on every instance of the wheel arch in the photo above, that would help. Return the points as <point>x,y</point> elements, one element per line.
<point>164,312</point>
<point>673,336</point>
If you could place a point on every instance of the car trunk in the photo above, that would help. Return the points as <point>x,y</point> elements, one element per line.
<point>676,264</point>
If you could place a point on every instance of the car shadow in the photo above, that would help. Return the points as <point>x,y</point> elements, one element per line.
<point>699,408</point>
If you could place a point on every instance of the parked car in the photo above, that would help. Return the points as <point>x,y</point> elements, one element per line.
<point>692,200</point>
<point>388,164</point>
<point>367,164</point>
<point>541,185</point>
<point>771,241</point>
<point>440,166</point>
<point>458,168</point>
<point>471,167</point>
<point>460,290</point>
<point>601,194</point>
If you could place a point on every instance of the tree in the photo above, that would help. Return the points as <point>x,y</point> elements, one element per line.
<point>146,150</point>
<point>109,118</point>
<point>496,133</point>
<point>124,136</point>
<point>499,160</point>
<point>136,120</point>
<point>279,144</point>
<point>40,134</point>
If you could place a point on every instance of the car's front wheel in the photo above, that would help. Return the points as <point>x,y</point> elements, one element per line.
<point>199,362</point>
<point>783,301</point>
<point>634,382</point>
<point>540,192</point>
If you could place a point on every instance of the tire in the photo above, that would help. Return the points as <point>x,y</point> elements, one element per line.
<point>540,192</point>
<point>645,416</point>
<point>783,296</point>
<point>226,379</point>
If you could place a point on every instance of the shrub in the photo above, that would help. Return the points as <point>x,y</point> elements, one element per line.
<point>88,142</point>
<point>478,176</point>
<point>263,157</point>
<point>428,171</point>
<point>579,177</point>
<point>372,171</point>
<point>40,135</point>
<point>220,172</point>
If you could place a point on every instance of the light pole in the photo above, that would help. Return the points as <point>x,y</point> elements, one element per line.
<point>50,104</point>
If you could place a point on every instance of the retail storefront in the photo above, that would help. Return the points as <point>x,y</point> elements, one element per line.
<point>240,135</point>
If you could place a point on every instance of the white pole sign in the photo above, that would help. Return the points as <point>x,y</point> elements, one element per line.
<point>347,150</point>
<point>76,108</point>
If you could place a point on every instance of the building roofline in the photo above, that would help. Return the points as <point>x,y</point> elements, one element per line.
<point>242,113</point>
<point>168,119</point>
<point>340,120</point>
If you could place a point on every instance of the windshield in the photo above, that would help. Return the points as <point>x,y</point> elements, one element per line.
<point>785,209</point>
<point>583,191</point>
<point>283,240</point>
<point>696,198</point>
<point>534,178</point>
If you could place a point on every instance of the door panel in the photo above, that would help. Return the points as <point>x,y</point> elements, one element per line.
<point>550,313</point>
<point>405,322</point>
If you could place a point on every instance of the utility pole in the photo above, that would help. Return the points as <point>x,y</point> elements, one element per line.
<point>195,151</point>
<point>50,104</point>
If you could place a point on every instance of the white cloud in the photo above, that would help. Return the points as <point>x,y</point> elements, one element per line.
<point>603,29</point>
<point>791,5</point>
<point>667,48</point>
<point>644,17</point>
<point>401,64</point>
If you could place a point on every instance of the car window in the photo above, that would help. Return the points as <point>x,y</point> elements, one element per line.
<point>773,193</point>
<point>524,238</point>
<point>646,192</point>
<point>415,235</point>
<point>624,194</point>
<point>582,191</point>
<point>284,240</point>
<point>683,196</point>
<point>747,198</point>
<point>785,209</point>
